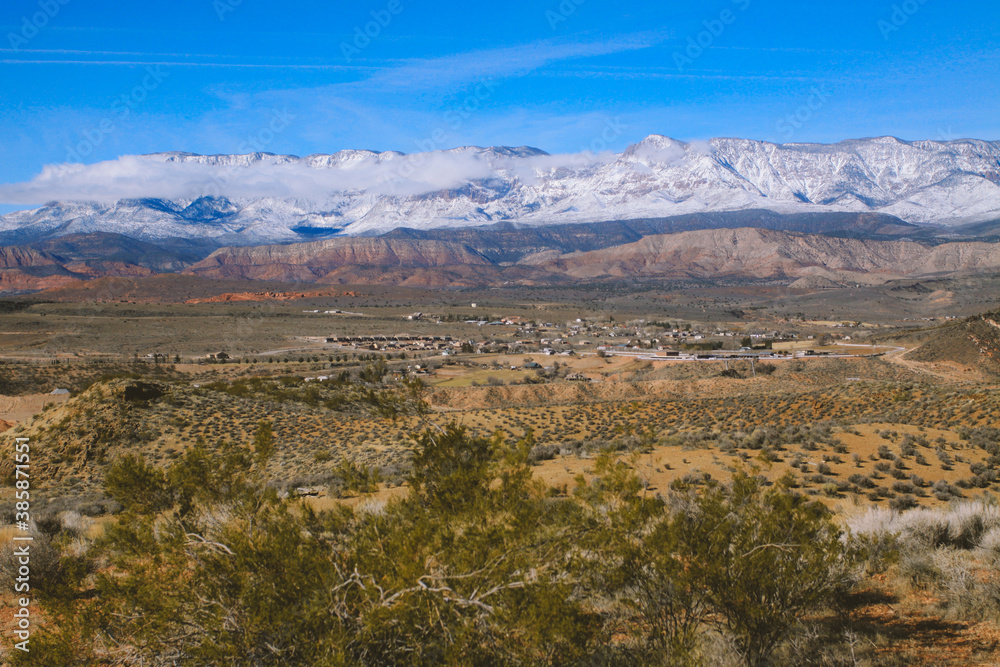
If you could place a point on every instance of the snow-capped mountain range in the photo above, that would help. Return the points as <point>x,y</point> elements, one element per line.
<point>265,198</point>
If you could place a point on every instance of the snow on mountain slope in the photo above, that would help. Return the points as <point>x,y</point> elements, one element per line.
<point>265,198</point>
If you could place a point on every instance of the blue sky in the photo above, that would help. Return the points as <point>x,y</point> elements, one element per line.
<point>86,81</point>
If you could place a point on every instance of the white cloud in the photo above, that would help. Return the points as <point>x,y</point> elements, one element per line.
<point>137,177</point>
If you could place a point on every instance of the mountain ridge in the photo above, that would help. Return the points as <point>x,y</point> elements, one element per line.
<point>857,248</point>
<point>285,198</point>
<point>744,253</point>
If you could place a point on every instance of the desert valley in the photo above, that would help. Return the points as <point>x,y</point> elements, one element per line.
<point>526,334</point>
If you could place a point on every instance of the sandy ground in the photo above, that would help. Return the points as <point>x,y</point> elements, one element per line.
<point>664,464</point>
<point>659,467</point>
<point>15,409</point>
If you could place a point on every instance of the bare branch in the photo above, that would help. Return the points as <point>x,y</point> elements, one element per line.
<point>197,540</point>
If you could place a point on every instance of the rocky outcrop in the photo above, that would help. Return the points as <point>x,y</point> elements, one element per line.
<point>760,253</point>
<point>318,260</point>
<point>14,257</point>
<point>28,270</point>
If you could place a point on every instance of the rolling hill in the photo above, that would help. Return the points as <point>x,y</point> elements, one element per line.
<point>973,342</point>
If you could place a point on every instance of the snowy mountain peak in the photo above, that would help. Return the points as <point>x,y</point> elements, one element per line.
<point>265,197</point>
